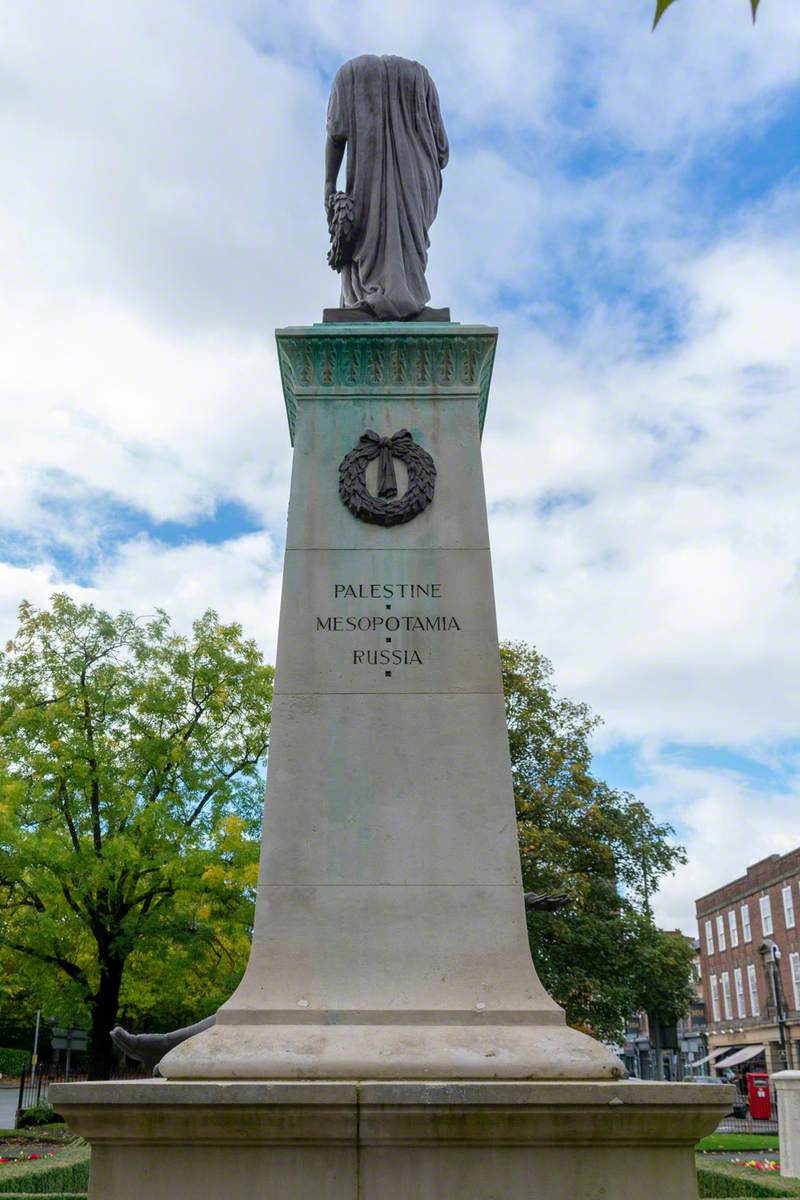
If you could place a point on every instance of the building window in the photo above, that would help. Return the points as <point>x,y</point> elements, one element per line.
<point>752,984</point>
<point>709,937</point>
<point>766,915</point>
<point>720,931</point>
<point>726,995</point>
<point>714,998</point>
<point>732,927</point>
<point>788,907</point>
<point>739,985</point>
<point>794,963</point>
<point>744,912</point>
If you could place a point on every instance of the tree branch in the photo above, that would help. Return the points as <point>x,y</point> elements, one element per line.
<point>64,799</point>
<point>94,791</point>
<point>69,968</point>
<point>70,900</point>
<point>209,792</point>
<point>146,898</point>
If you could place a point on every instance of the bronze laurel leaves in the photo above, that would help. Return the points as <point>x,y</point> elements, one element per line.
<point>341,227</point>
<point>386,509</point>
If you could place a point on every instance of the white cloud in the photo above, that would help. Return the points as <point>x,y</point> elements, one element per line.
<point>145,416</point>
<point>667,592</point>
<point>240,578</point>
<point>727,824</point>
<point>160,209</point>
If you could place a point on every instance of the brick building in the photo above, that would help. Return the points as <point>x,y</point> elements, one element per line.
<point>750,966</point>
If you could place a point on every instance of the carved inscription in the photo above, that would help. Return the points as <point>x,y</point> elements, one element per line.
<point>392,638</point>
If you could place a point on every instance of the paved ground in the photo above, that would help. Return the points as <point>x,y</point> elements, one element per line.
<point>739,1155</point>
<point>8,1106</point>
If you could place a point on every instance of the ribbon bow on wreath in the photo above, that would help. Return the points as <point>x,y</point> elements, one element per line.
<point>385,508</point>
<point>388,448</point>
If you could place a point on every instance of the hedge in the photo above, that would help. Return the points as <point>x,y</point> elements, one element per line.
<point>57,1133</point>
<point>12,1062</point>
<point>726,1180</point>
<point>69,1173</point>
<point>50,1195</point>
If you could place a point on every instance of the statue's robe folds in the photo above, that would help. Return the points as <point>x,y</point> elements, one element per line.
<point>387,111</point>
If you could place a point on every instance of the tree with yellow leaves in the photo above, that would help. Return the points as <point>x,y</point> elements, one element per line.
<point>131,764</point>
<point>663,5</point>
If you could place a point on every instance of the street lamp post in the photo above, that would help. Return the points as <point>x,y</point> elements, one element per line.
<point>771,954</point>
<point>35,1055</point>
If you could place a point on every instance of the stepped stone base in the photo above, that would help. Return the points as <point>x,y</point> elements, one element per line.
<point>392,1141</point>
<point>409,1051</point>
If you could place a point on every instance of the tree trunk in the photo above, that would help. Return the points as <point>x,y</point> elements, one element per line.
<point>104,1017</point>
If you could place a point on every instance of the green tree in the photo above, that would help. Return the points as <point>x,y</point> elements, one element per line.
<point>664,975</point>
<point>130,800</point>
<point>183,979</point>
<point>663,5</point>
<point>599,846</point>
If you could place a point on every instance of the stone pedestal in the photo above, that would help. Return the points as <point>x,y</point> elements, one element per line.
<point>390,941</point>
<point>392,1141</point>
<point>787,1092</point>
<point>390,936</point>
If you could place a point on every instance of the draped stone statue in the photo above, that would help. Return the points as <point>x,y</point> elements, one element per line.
<point>385,111</point>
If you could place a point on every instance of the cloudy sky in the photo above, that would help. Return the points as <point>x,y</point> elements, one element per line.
<point>624,205</point>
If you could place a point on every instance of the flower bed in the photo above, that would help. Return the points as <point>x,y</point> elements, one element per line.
<point>770,1165</point>
<point>66,1172</point>
<point>27,1156</point>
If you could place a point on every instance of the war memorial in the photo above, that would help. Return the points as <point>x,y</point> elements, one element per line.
<point>390,1039</point>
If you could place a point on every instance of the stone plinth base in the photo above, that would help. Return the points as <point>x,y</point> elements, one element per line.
<point>787,1092</point>
<point>355,316</point>
<point>492,1051</point>
<point>162,1140</point>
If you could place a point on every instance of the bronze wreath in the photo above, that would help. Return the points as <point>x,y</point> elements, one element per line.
<point>341,227</point>
<point>385,509</point>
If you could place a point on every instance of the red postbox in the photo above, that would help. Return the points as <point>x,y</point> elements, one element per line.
<point>758,1095</point>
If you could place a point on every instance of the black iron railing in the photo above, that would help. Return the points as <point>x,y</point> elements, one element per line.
<point>34,1085</point>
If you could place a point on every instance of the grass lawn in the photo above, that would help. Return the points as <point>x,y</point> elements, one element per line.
<point>740,1141</point>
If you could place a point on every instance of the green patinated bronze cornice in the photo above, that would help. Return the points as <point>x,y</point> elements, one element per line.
<point>391,358</point>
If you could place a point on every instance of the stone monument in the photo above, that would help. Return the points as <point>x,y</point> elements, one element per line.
<point>390,1039</point>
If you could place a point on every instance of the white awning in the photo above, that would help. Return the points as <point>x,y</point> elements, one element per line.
<point>740,1056</point>
<point>709,1057</point>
